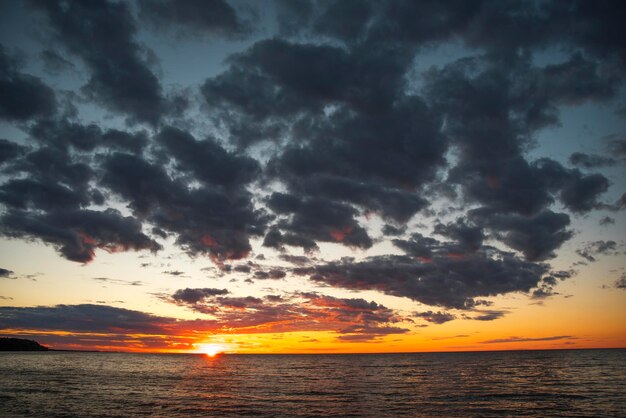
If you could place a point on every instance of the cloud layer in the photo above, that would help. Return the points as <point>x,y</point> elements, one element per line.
<point>334,130</point>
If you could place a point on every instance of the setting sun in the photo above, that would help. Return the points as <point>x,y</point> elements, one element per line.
<point>211,350</point>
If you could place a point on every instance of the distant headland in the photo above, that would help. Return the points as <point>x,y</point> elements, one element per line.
<point>19,344</point>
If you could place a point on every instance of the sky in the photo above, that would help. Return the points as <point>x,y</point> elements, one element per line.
<point>313,176</point>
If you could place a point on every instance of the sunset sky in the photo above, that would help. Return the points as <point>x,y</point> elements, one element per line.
<point>313,176</point>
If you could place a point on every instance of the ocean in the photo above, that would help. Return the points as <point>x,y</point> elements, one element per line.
<point>568,383</point>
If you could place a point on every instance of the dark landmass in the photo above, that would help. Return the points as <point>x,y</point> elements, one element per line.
<point>19,344</point>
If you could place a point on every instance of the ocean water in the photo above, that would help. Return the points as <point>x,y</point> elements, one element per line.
<point>568,383</point>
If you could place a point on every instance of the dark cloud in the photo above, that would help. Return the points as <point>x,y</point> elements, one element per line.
<point>367,333</point>
<point>7,274</point>
<point>262,275</point>
<point>127,141</point>
<point>64,134</point>
<point>560,275</point>
<point>242,269</point>
<point>275,78</point>
<point>193,296</point>
<point>536,237</point>
<point>22,96</point>
<point>76,234</point>
<point>317,219</point>
<point>47,179</point>
<point>9,150</point>
<point>392,204</point>
<point>543,292</point>
<point>276,239</point>
<point>500,29</point>
<point>298,260</point>
<point>602,34</point>
<point>52,163</point>
<point>557,81</point>
<point>491,112</point>
<point>616,146</point>
<point>293,16</point>
<point>48,195</point>
<point>607,220</point>
<point>489,315</point>
<point>393,21</point>
<point>207,160</point>
<point>503,28</point>
<point>174,272</point>
<point>392,230</point>
<point>469,237</point>
<point>54,63</point>
<point>343,19</point>
<point>590,160</point>
<point>580,194</point>
<point>110,328</point>
<point>306,137</point>
<point>271,274</point>
<point>278,78</point>
<point>621,282</point>
<point>620,203</point>
<point>341,162</point>
<point>345,115</point>
<point>490,116</point>
<point>433,273</point>
<point>84,318</point>
<point>193,17</point>
<point>277,274</point>
<point>436,317</point>
<point>591,250</point>
<point>337,127</point>
<point>121,79</point>
<point>207,219</point>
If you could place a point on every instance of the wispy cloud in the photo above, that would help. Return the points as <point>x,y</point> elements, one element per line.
<point>118,281</point>
<point>526,339</point>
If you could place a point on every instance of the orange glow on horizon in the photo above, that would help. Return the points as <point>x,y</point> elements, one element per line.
<point>312,342</point>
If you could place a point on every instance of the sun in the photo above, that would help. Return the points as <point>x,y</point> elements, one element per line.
<point>211,350</point>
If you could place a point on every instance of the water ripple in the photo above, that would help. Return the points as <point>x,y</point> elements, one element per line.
<point>559,383</point>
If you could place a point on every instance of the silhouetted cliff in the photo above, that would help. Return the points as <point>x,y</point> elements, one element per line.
<point>18,344</point>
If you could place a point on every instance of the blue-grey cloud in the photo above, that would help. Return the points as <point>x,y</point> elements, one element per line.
<point>434,273</point>
<point>6,273</point>
<point>76,234</point>
<point>303,135</point>
<point>194,17</point>
<point>83,318</point>
<point>120,78</point>
<point>22,96</point>
<point>592,249</point>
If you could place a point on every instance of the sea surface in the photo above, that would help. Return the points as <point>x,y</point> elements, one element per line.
<point>569,383</point>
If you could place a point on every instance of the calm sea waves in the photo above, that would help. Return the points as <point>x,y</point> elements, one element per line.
<point>523,383</point>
